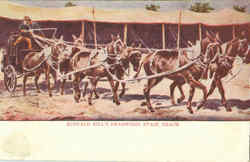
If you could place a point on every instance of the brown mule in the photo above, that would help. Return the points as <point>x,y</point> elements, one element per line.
<point>65,66</point>
<point>82,60</point>
<point>36,63</point>
<point>127,55</point>
<point>164,60</point>
<point>223,65</point>
<point>210,48</point>
<point>220,65</point>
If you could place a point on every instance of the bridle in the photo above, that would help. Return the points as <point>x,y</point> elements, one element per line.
<point>241,44</point>
<point>115,45</point>
<point>209,48</point>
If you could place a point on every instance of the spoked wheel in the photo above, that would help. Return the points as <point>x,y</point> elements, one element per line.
<point>10,79</point>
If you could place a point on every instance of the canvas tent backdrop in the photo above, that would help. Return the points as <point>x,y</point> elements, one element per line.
<point>151,29</point>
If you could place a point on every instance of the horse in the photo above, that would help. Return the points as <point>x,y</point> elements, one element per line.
<point>210,47</point>
<point>223,64</point>
<point>65,66</point>
<point>127,55</point>
<point>168,60</point>
<point>36,63</point>
<point>112,67</point>
<point>220,65</point>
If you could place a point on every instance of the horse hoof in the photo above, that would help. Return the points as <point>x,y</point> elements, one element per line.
<point>173,103</point>
<point>200,106</point>
<point>118,103</point>
<point>179,100</point>
<point>121,95</point>
<point>76,100</point>
<point>190,110</point>
<point>151,109</point>
<point>228,109</point>
<point>97,97</point>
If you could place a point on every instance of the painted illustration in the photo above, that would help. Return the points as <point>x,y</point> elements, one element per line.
<point>125,60</point>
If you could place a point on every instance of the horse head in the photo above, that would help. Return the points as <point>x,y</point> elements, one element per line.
<point>135,58</point>
<point>61,51</point>
<point>211,48</point>
<point>243,48</point>
<point>238,47</point>
<point>77,41</point>
<point>116,47</point>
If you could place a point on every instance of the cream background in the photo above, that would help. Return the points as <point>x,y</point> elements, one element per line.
<point>191,141</point>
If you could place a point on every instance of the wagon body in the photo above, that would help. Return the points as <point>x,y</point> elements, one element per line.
<point>13,59</point>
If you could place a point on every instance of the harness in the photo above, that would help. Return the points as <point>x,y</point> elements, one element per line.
<point>102,53</point>
<point>46,52</point>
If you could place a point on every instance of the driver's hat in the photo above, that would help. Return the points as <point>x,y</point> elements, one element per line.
<point>27,18</point>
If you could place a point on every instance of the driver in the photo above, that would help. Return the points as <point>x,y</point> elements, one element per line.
<point>25,31</point>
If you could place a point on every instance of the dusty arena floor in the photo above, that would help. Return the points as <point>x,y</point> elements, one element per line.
<point>41,107</point>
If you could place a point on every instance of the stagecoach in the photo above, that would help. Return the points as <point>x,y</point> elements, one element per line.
<point>13,57</point>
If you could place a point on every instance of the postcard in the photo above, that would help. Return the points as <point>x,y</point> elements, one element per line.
<point>132,80</point>
<point>125,60</point>
<point>114,141</point>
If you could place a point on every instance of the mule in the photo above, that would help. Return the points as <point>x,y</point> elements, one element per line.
<point>209,47</point>
<point>36,63</point>
<point>65,66</point>
<point>127,55</point>
<point>82,60</point>
<point>223,64</point>
<point>168,60</point>
<point>220,65</point>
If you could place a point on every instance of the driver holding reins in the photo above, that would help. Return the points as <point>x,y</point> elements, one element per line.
<point>26,31</point>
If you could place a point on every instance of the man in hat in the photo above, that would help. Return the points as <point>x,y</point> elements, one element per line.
<point>25,31</point>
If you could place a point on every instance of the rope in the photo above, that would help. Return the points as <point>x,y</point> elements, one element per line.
<point>152,76</point>
<point>43,29</point>
<point>237,73</point>
<point>64,76</point>
<point>37,66</point>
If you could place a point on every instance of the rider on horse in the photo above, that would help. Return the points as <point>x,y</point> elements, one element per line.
<point>25,31</point>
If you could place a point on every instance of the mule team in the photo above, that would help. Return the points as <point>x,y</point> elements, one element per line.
<point>116,56</point>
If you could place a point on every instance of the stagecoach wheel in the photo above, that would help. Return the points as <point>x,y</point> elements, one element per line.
<point>10,79</point>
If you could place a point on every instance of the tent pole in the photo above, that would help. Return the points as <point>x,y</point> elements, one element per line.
<point>179,31</point>
<point>125,33</point>
<point>233,31</point>
<point>83,31</point>
<point>200,34</point>
<point>94,23</point>
<point>163,36</point>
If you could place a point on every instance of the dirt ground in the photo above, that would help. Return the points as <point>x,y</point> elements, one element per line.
<point>36,106</point>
